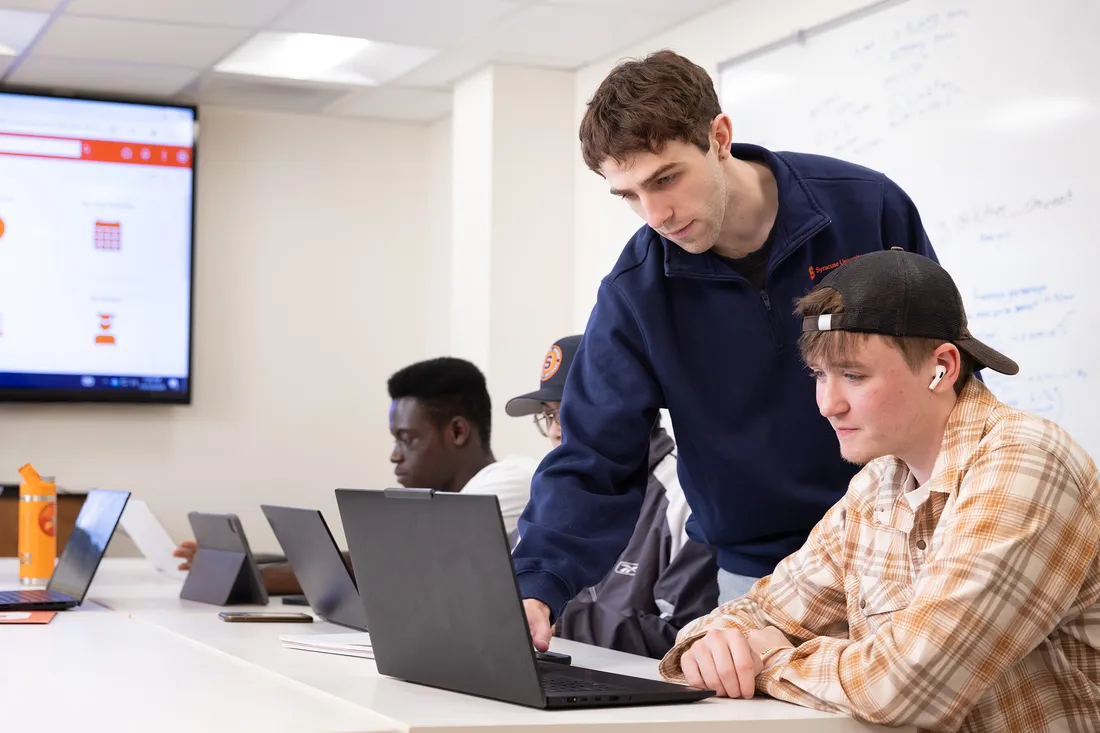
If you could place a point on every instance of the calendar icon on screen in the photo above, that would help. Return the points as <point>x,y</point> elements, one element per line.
<point>108,235</point>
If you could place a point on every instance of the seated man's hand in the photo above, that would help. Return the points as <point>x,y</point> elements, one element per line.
<point>187,551</point>
<point>722,661</point>
<point>727,661</point>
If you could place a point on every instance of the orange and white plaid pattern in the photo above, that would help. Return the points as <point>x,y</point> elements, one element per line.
<point>977,611</point>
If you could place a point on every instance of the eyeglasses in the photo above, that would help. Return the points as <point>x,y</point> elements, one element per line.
<point>545,420</point>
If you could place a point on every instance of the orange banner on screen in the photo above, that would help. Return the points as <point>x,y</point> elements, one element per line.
<point>100,151</point>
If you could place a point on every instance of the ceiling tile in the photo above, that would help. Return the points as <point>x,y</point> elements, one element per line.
<point>246,13</point>
<point>138,42</point>
<point>569,36</point>
<point>101,76</point>
<point>444,70</point>
<point>431,23</point>
<point>407,105</point>
<point>230,90</point>
<point>45,5</point>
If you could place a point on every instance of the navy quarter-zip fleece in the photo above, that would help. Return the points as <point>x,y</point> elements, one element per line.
<point>758,464</point>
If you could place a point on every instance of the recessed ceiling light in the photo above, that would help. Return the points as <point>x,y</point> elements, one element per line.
<point>18,28</point>
<point>321,58</point>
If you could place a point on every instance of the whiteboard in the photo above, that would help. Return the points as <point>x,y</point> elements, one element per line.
<point>987,112</point>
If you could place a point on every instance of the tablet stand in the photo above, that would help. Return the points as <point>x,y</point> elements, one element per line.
<point>223,578</point>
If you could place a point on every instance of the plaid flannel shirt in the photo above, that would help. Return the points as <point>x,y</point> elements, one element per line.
<point>976,611</point>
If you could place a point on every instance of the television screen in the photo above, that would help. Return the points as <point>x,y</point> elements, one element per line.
<point>96,240</point>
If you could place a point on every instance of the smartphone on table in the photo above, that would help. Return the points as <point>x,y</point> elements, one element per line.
<point>265,617</point>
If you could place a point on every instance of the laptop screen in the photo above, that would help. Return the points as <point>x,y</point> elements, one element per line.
<point>94,526</point>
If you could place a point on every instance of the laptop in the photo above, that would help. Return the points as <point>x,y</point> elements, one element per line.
<point>439,589</point>
<point>95,525</point>
<point>316,561</point>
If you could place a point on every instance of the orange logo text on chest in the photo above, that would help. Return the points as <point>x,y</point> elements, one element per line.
<point>817,271</point>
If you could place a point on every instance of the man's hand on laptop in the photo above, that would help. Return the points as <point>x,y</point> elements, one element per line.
<point>727,660</point>
<point>187,551</point>
<point>538,621</point>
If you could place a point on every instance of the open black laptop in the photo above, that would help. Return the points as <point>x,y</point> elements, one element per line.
<point>95,525</point>
<point>317,563</point>
<point>438,587</point>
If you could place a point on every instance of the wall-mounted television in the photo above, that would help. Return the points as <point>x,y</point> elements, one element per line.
<point>97,202</point>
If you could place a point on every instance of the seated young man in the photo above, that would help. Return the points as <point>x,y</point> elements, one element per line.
<point>663,579</point>
<point>441,422</point>
<point>955,586</point>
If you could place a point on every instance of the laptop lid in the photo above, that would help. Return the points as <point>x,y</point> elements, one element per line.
<point>440,592</point>
<point>317,563</point>
<point>95,525</point>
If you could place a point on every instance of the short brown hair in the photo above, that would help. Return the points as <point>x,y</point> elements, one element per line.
<point>835,346</point>
<point>643,104</point>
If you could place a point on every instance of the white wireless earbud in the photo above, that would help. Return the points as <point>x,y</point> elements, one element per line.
<point>940,371</point>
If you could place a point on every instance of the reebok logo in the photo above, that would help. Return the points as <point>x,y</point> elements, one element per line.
<point>627,568</point>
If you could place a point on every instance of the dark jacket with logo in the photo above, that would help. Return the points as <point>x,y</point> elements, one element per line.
<point>757,462</point>
<point>662,580</point>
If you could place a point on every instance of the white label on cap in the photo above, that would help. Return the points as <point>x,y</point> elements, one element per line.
<point>825,322</point>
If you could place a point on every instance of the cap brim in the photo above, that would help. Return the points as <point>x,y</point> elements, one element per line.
<point>987,357</point>
<point>531,402</point>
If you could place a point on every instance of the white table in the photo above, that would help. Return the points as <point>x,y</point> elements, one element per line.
<point>129,592</point>
<point>93,670</point>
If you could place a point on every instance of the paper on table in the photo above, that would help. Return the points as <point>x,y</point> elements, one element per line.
<point>355,644</point>
<point>151,538</point>
<point>27,617</point>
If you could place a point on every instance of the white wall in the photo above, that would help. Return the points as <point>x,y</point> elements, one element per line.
<point>603,224</point>
<point>312,239</point>
<point>532,286</point>
<point>438,257</point>
<point>512,253</point>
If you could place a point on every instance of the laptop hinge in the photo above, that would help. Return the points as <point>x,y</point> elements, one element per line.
<point>409,493</point>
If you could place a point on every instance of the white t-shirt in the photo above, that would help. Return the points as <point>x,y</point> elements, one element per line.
<point>510,480</point>
<point>916,495</point>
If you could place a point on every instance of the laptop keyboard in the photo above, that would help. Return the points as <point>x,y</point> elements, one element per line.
<point>566,685</point>
<point>29,596</point>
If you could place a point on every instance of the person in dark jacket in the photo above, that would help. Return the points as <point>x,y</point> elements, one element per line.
<point>663,579</point>
<point>695,317</point>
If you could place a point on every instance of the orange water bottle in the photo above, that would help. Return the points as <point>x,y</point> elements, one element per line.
<point>37,527</point>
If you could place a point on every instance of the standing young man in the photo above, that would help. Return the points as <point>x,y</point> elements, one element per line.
<point>956,586</point>
<point>695,317</point>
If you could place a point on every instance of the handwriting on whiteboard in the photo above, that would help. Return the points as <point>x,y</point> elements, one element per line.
<point>983,213</point>
<point>996,315</point>
<point>1042,394</point>
<point>849,127</point>
<point>1019,320</point>
<point>992,222</point>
